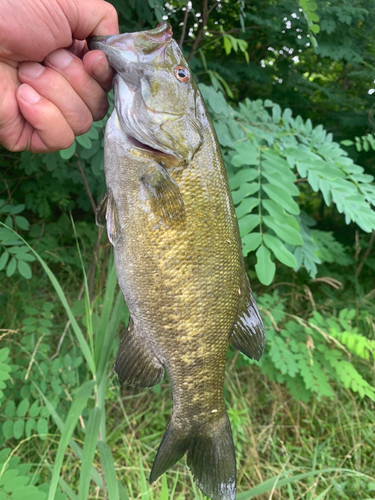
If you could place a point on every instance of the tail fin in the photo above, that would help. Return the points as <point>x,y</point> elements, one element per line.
<point>210,456</point>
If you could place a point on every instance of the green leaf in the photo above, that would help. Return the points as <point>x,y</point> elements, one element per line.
<point>22,222</point>
<point>244,175</point>
<point>248,223</point>
<point>24,269</point>
<point>74,413</point>
<point>244,191</point>
<point>27,257</point>
<point>8,429</point>
<point>279,214</point>
<point>10,409</point>
<point>282,198</point>
<point>23,407</point>
<point>4,353</point>
<point>18,428</point>
<point>15,209</point>
<point>247,154</point>
<point>109,471</point>
<point>246,206</point>
<point>42,428</point>
<point>66,154</point>
<point>280,181</point>
<point>11,267</point>
<point>279,250</point>
<point>3,260</point>
<point>264,267</point>
<point>227,45</point>
<point>276,113</point>
<point>250,242</point>
<point>84,140</point>
<point>347,142</point>
<point>88,452</point>
<point>284,231</point>
<point>30,426</point>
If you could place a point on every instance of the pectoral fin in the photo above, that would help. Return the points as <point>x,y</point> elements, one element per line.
<point>135,363</point>
<point>248,332</point>
<point>106,213</point>
<point>165,197</point>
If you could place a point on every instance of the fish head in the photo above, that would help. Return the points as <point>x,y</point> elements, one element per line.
<point>155,93</point>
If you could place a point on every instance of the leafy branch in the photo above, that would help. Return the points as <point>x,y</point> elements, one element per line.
<point>263,142</point>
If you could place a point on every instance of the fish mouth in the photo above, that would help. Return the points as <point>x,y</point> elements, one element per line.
<point>132,47</point>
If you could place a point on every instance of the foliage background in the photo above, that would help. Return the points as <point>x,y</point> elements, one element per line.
<point>290,88</point>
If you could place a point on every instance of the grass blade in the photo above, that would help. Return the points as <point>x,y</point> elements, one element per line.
<point>87,295</point>
<point>106,312</point>
<point>164,488</point>
<point>122,491</point>
<point>323,494</point>
<point>110,335</point>
<point>146,492</point>
<point>77,330</point>
<point>109,471</point>
<point>73,445</point>
<point>267,485</point>
<point>71,421</point>
<point>88,452</point>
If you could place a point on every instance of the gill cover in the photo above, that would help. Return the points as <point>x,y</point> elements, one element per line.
<point>153,105</point>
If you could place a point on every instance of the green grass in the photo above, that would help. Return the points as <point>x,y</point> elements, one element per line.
<point>285,449</point>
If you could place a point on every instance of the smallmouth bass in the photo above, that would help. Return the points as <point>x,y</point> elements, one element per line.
<point>170,218</point>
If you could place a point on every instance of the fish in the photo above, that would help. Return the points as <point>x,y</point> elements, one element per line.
<point>177,250</point>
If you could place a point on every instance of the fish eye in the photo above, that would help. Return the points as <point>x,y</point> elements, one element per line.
<point>182,74</point>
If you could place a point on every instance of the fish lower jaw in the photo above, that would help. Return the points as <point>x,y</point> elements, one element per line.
<point>169,158</point>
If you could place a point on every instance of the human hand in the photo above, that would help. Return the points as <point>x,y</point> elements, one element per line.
<point>51,88</point>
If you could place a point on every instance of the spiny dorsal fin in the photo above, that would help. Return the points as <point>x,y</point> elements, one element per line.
<point>135,364</point>
<point>107,211</point>
<point>165,197</point>
<point>248,332</point>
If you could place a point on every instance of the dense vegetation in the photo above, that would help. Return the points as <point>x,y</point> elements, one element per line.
<point>290,87</point>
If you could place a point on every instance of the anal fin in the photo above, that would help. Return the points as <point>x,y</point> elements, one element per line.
<point>135,364</point>
<point>106,214</point>
<point>165,197</point>
<point>248,332</point>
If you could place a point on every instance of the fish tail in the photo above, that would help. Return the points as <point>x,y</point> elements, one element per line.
<point>210,456</point>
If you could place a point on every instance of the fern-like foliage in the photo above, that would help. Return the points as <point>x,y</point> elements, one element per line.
<point>269,155</point>
<point>19,482</point>
<point>311,357</point>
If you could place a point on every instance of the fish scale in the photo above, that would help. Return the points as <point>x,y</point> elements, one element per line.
<point>177,250</point>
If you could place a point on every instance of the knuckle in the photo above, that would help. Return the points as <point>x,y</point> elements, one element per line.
<point>83,125</point>
<point>66,141</point>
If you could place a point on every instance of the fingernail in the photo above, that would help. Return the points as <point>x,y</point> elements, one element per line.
<point>28,94</point>
<point>100,68</point>
<point>59,59</point>
<point>31,69</point>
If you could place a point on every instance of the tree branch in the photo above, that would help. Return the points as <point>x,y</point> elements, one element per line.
<point>86,184</point>
<point>184,25</point>
<point>199,37</point>
<point>366,254</point>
